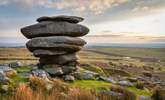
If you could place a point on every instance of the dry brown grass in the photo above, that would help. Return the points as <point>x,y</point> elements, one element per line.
<point>158,93</point>
<point>37,90</point>
<point>60,91</point>
<point>24,92</point>
<point>126,94</point>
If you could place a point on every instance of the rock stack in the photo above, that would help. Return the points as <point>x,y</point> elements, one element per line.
<point>55,41</point>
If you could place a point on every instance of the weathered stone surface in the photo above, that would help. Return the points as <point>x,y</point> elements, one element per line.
<point>125,83</point>
<point>71,19</point>
<point>7,70</point>
<point>61,59</point>
<point>15,64</point>
<point>50,53</point>
<point>53,69</point>
<point>56,43</point>
<point>69,69</point>
<point>3,78</point>
<point>69,78</point>
<point>108,79</point>
<point>40,73</point>
<point>86,75</point>
<point>49,28</point>
<point>59,47</point>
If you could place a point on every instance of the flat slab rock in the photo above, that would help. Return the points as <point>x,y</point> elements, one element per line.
<point>55,69</point>
<point>71,19</point>
<point>63,43</point>
<point>50,28</point>
<point>61,59</point>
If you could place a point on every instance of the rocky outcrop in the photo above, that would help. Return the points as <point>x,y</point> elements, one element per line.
<point>55,41</point>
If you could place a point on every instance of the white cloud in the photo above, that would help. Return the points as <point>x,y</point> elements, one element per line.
<point>140,9</point>
<point>96,6</point>
<point>146,25</point>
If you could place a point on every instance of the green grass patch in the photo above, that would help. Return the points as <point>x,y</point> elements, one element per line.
<point>94,68</point>
<point>19,79</point>
<point>23,69</point>
<point>91,84</point>
<point>140,91</point>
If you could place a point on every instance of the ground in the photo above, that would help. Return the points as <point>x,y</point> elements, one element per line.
<point>115,62</point>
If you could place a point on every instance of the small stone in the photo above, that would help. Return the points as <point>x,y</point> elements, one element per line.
<point>5,68</point>
<point>86,75</point>
<point>108,79</point>
<point>8,71</point>
<point>40,73</point>
<point>48,28</point>
<point>125,83</point>
<point>132,79</point>
<point>70,19</point>
<point>15,64</point>
<point>69,78</point>
<point>3,78</point>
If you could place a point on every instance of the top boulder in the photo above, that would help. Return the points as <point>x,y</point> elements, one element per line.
<point>70,19</point>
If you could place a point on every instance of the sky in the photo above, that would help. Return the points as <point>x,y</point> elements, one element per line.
<point>111,20</point>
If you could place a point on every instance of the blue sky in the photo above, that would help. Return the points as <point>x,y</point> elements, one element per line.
<point>126,18</point>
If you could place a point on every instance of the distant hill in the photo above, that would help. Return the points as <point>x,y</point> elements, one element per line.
<point>13,45</point>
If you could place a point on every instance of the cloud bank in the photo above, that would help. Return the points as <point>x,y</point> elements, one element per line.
<point>95,6</point>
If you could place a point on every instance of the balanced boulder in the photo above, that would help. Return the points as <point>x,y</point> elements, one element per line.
<point>55,41</point>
